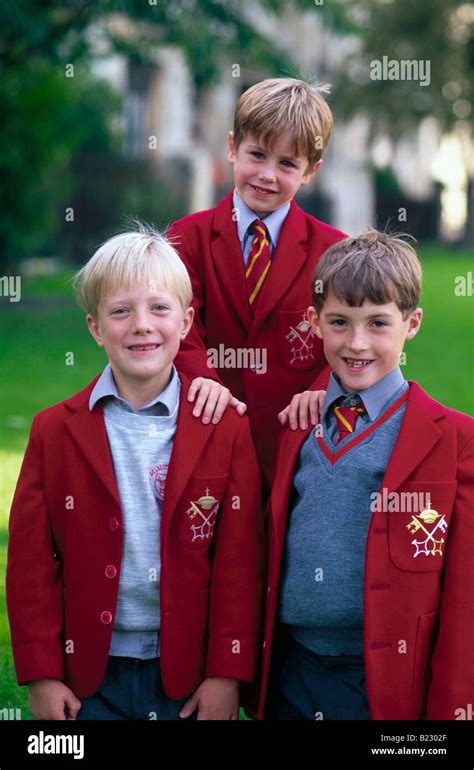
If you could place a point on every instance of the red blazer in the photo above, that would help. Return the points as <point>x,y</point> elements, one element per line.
<point>209,246</point>
<point>425,601</point>
<point>65,546</point>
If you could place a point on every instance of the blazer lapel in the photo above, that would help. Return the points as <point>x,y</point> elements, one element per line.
<point>88,431</point>
<point>228,260</point>
<point>288,259</point>
<point>189,441</point>
<point>418,435</point>
<point>290,443</point>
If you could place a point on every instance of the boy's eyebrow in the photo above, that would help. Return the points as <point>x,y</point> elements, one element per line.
<point>121,300</point>
<point>374,315</point>
<point>261,148</point>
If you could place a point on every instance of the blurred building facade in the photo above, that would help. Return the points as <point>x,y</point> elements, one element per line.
<point>166,124</point>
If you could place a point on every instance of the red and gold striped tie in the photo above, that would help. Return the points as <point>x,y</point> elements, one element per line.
<point>258,263</point>
<point>346,417</point>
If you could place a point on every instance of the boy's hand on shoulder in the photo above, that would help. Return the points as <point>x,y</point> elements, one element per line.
<point>52,699</point>
<point>213,398</point>
<point>216,698</point>
<point>303,408</point>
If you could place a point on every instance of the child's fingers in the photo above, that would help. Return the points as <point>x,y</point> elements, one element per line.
<point>220,406</point>
<point>201,399</point>
<point>303,411</point>
<point>189,707</point>
<point>239,406</point>
<point>293,412</point>
<point>321,397</point>
<point>315,409</point>
<point>73,706</point>
<point>194,388</point>
<point>283,416</point>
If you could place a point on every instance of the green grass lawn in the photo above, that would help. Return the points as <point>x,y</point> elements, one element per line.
<point>39,332</point>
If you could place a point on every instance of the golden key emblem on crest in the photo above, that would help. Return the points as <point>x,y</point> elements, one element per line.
<point>428,546</point>
<point>206,508</point>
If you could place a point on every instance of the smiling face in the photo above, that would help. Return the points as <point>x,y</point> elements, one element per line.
<point>141,331</point>
<point>363,344</point>
<point>267,178</point>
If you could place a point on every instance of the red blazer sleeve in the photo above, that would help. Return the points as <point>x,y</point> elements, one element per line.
<point>452,685</point>
<point>192,356</point>
<point>237,573</point>
<point>34,587</point>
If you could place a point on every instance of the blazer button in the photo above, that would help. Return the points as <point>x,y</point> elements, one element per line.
<point>114,524</point>
<point>110,571</point>
<point>106,617</point>
<point>269,589</point>
<point>264,645</point>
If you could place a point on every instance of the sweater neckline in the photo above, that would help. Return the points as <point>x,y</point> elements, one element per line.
<point>333,457</point>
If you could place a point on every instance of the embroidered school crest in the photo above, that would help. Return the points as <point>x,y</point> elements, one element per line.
<point>423,523</point>
<point>300,338</point>
<point>203,513</point>
<point>158,477</point>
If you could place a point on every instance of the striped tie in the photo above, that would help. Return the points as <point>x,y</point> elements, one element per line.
<point>258,263</point>
<point>346,417</point>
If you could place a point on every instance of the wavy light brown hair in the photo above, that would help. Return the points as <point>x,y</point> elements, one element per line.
<point>273,106</point>
<point>374,266</point>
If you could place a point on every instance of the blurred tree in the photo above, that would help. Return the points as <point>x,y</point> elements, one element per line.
<point>49,118</point>
<point>205,29</point>
<point>440,32</point>
<point>46,118</point>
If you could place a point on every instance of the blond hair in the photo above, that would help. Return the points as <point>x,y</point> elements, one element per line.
<point>374,266</point>
<point>136,257</point>
<point>273,106</point>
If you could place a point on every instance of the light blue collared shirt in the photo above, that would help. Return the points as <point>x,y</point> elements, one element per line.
<point>375,398</point>
<point>163,405</point>
<point>143,644</point>
<point>273,223</point>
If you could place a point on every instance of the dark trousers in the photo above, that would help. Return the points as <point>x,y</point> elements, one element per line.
<point>132,690</point>
<point>305,686</point>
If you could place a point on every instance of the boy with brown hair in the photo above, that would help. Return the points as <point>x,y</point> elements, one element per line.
<point>372,517</point>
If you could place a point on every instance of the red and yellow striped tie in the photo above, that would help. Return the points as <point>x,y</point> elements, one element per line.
<point>346,417</point>
<point>258,263</point>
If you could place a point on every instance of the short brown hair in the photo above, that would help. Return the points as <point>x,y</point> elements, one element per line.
<point>374,266</point>
<point>273,106</point>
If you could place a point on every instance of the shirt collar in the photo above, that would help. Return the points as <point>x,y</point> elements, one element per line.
<point>374,398</point>
<point>105,386</point>
<point>273,221</point>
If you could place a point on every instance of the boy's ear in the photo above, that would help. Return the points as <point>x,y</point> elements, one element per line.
<point>414,323</point>
<point>312,172</point>
<point>93,327</point>
<point>315,320</point>
<point>230,147</point>
<point>187,322</point>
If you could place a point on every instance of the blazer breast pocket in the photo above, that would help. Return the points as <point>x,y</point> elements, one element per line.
<point>298,346</point>
<point>418,530</point>
<point>199,510</point>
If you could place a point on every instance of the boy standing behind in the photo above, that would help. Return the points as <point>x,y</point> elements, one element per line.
<point>251,259</point>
